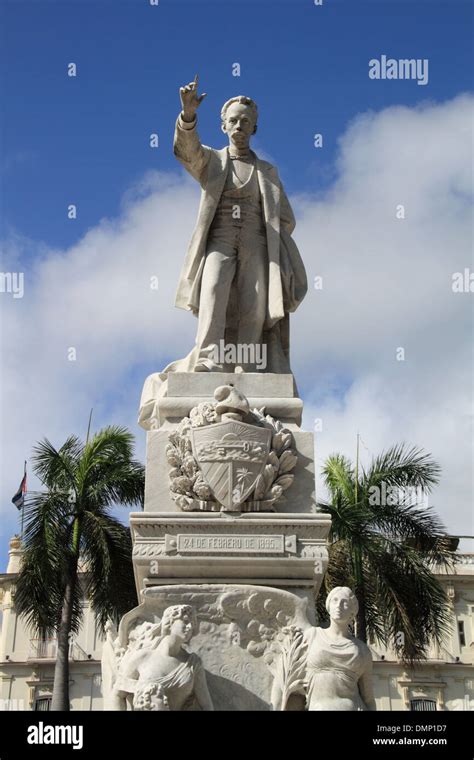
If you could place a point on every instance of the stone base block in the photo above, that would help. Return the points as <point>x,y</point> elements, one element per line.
<point>165,405</point>
<point>257,384</point>
<point>262,548</point>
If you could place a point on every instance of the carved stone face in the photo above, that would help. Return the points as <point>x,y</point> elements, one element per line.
<point>239,124</point>
<point>341,607</point>
<point>183,628</point>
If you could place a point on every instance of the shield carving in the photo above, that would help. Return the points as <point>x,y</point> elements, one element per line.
<point>231,455</point>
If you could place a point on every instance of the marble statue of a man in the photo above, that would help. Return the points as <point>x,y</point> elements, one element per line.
<point>243,273</point>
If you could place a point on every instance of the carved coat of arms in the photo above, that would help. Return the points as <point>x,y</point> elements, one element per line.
<point>231,455</point>
<point>226,457</point>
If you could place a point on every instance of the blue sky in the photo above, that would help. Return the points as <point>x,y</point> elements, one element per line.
<point>85,140</point>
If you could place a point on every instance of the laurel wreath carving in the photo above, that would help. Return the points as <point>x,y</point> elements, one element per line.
<point>187,485</point>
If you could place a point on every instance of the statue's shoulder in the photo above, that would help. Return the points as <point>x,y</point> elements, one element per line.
<point>310,633</point>
<point>220,153</point>
<point>266,165</point>
<point>218,156</point>
<point>269,171</point>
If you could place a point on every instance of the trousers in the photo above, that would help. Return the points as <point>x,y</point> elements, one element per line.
<point>232,252</point>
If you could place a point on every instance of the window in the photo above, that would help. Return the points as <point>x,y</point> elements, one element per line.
<point>461,633</point>
<point>423,704</point>
<point>43,704</point>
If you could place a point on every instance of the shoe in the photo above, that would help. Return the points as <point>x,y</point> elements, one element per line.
<point>207,365</point>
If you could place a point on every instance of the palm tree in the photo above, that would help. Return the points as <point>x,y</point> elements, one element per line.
<point>69,529</point>
<point>385,544</point>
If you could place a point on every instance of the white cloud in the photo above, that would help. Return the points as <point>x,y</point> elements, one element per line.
<point>386,284</point>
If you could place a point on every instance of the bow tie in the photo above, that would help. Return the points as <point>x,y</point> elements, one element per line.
<point>237,157</point>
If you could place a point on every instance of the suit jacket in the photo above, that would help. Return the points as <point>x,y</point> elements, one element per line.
<point>287,283</point>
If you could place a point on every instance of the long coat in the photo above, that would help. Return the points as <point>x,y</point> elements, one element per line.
<point>287,283</point>
<point>286,274</point>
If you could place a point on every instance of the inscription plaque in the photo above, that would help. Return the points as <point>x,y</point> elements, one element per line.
<point>260,544</point>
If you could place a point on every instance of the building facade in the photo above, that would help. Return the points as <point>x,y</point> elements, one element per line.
<point>27,663</point>
<point>443,682</point>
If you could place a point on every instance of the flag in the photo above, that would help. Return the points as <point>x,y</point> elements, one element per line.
<point>19,498</point>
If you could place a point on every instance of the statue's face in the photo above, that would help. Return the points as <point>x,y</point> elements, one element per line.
<point>183,628</point>
<point>341,608</point>
<point>239,124</point>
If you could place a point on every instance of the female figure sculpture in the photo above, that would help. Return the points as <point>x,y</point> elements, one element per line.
<point>338,666</point>
<point>160,673</point>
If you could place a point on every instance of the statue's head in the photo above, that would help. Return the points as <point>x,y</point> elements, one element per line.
<point>239,120</point>
<point>342,604</point>
<point>179,620</point>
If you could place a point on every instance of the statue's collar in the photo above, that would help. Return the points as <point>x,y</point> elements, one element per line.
<point>242,156</point>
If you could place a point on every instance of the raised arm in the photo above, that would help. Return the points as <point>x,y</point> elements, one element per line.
<point>187,146</point>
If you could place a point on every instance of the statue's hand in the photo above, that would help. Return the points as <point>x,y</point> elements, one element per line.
<point>190,100</point>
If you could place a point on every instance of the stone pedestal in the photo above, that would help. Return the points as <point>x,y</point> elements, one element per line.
<point>165,404</point>
<point>243,629</point>
<point>285,550</point>
<point>185,391</point>
<point>250,573</point>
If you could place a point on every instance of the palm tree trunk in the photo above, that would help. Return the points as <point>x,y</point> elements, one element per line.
<point>60,699</point>
<point>359,591</point>
<point>361,623</point>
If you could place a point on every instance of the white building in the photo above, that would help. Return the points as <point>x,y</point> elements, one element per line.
<point>444,682</point>
<point>27,663</point>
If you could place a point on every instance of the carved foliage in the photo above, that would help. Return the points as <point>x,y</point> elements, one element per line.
<point>188,488</point>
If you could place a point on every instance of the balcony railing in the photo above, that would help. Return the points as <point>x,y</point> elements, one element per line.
<point>47,649</point>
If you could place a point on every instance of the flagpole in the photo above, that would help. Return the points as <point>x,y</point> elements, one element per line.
<point>89,426</point>
<point>23,509</point>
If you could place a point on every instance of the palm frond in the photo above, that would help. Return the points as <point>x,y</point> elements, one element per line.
<point>387,550</point>
<point>407,596</point>
<point>418,525</point>
<point>338,476</point>
<point>401,466</point>
<point>56,468</point>
<point>107,473</point>
<point>38,594</point>
<point>107,554</point>
<point>116,482</point>
<point>347,519</point>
